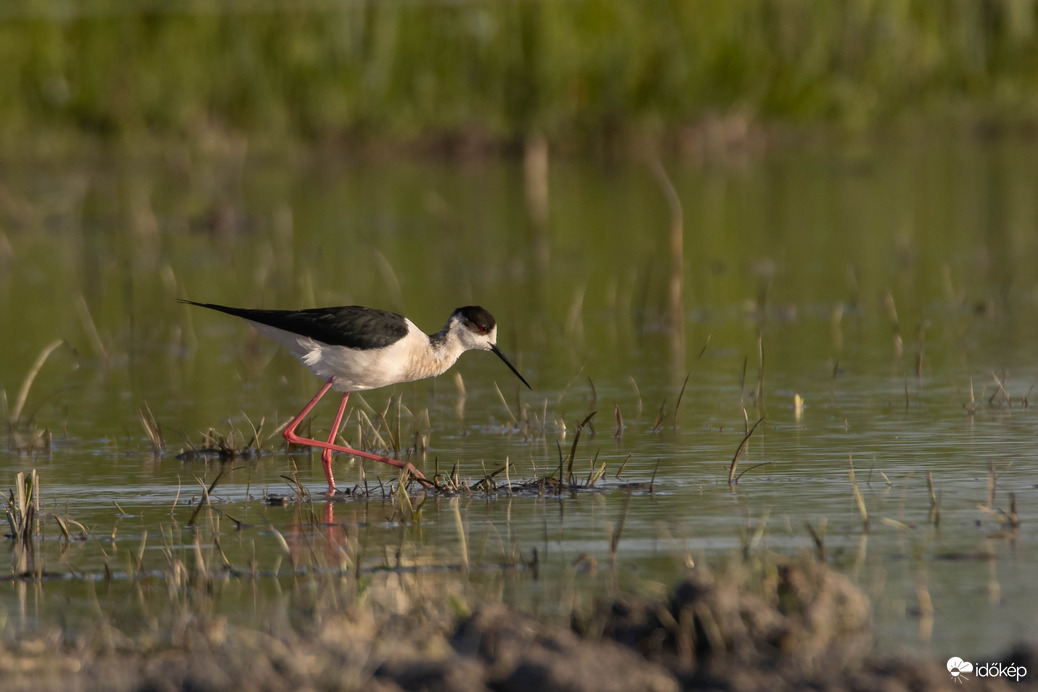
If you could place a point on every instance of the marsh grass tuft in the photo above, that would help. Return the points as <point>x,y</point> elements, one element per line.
<point>22,512</point>
<point>152,429</point>
<point>232,445</point>
<point>487,483</point>
<point>1000,396</point>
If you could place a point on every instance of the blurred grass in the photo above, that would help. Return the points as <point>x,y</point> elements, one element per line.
<point>582,72</point>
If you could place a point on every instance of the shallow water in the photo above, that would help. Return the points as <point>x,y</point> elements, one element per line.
<point>881,285</point>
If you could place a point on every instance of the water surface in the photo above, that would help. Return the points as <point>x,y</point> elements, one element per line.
<point>892,288</point>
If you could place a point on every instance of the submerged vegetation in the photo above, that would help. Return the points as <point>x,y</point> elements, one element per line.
<point>583,73</point>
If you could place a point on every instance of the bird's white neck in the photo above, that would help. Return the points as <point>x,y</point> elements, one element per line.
<point>445,347</point>
<point>429,355</point>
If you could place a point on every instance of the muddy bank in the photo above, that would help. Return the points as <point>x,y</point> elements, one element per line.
<point>794,627</point>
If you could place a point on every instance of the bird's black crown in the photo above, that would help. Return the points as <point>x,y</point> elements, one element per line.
<point>476,318</point>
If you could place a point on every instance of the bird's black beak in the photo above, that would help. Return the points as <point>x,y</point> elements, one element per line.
<point>497,351</point>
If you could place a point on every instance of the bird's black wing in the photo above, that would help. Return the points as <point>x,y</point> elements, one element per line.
<point>352,326</point>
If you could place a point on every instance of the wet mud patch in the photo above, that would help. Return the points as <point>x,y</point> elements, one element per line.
<point>786,627</point>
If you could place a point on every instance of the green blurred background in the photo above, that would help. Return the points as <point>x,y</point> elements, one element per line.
<point>587,75</point>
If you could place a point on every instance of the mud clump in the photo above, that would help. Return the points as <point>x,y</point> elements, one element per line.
<point>803,620</point>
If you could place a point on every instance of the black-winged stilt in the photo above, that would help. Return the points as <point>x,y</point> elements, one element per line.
<point>354,348</point>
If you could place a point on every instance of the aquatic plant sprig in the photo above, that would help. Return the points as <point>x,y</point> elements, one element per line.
<point>587,422</point>
<point>732,478</point>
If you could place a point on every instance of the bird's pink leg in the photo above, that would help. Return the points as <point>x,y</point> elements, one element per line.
<point>329,447</point>
<point>326,455</point>
<point>290,429</point>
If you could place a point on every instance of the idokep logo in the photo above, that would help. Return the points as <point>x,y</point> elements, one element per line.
<point>960,670</point>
